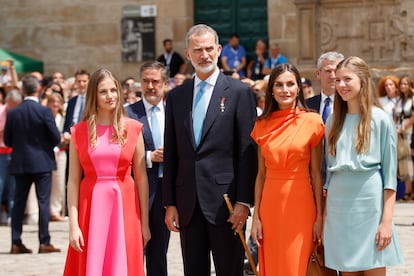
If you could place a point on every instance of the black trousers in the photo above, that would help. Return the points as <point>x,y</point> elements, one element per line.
<point>43,183</point>
<point>200,237</point>
<point>157,247</point>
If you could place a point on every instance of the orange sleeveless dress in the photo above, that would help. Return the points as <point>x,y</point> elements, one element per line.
<point>287,208</point>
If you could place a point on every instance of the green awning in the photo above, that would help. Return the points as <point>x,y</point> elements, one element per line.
<point>23,64</point>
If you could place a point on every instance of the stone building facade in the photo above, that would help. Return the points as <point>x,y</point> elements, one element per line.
<point>71,34</point>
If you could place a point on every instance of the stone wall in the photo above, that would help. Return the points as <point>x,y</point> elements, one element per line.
<point>72,34</point>
<point>379,31</point>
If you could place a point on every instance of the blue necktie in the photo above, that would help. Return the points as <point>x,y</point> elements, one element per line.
<point>156,133</point>
<point>82,103</point>
<point>326,109</point>
<point>199,112</point>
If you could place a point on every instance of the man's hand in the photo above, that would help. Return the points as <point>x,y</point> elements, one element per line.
<point>158,155</point>
<point>239,216</point>
<point>171,218</point>
<point>66,138</point>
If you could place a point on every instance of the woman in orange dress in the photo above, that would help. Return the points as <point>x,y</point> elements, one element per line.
<point>287,219</point>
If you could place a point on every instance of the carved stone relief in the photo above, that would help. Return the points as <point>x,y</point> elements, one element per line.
<point>381,32</point>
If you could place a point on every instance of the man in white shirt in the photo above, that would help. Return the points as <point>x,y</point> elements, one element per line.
<point>76,104</point>
<point>323,102</point>
<point>150,112</point>
<point>325,72</point>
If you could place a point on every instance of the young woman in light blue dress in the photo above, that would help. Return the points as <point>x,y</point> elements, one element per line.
<point>359,234</point>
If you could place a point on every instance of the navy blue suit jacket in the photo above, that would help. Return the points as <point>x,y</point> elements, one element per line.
<point>32,133</point>
<point>70,109</point>
<point>225,161</point>
<point>137,111</point>
<point>314,102</point>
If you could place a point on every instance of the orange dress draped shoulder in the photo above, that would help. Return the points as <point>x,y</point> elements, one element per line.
<point>287,207</point>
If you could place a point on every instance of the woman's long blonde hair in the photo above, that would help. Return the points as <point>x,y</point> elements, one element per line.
<point>368,98</point>
<point>58,96</point>
<point>91,108</point>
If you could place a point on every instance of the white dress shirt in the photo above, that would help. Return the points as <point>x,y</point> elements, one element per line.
<point>31,98</point>
<point>76,118</point>
<point>323,97</point>
<point>208,89</point>
<point>161,120</point>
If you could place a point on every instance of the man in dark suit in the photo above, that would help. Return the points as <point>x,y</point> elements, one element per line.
<point>208,153</point>
<point>151,113</point>
<point>325,72</point>
<point>172,60</point>
<point>74,111</point>
<point>76,104</point>
<point>32,133</point>
<point>323,102</point>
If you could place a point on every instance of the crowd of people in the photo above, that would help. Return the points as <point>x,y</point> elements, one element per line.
<point>156,153</point>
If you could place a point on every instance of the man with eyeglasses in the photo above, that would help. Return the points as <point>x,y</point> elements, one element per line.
<point>150,112</point>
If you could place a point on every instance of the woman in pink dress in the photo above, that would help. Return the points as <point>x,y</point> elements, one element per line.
<point>108,209</point>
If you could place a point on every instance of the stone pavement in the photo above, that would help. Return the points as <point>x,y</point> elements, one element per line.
<point>52,264</point>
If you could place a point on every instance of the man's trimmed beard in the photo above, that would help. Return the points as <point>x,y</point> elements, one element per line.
<point>206,68</point>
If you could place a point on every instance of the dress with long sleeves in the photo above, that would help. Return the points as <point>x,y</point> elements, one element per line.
<point>109,212</point>
<point>355,200</point>
<point>287,207</point>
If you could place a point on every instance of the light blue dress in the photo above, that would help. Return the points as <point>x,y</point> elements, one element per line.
<point>356,196</point>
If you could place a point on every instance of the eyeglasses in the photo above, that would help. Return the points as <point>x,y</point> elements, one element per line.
<point>146,82</point>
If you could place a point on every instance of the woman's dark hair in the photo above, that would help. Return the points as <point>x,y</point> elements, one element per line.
<point>3,93</point>
<point>48,86</point>
<point>270,103</point>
